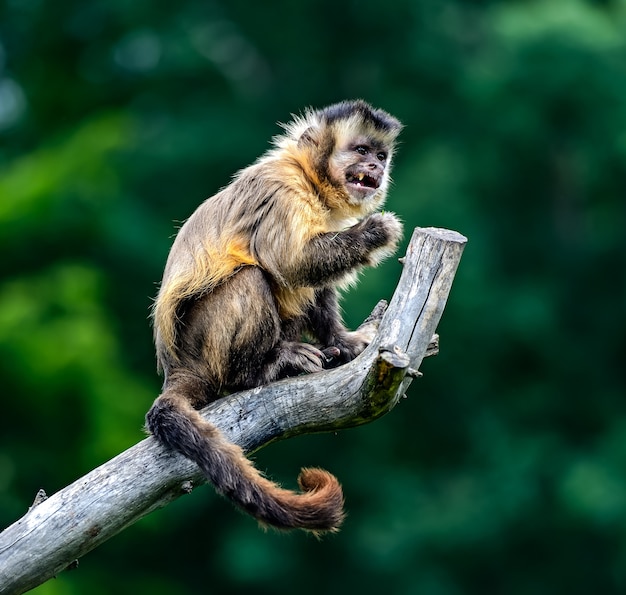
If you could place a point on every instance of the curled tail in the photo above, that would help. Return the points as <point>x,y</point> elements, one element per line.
<point>319,507</point>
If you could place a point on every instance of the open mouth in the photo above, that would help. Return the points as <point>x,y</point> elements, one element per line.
<point>362,179</point>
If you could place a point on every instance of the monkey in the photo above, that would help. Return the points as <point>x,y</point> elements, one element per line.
<point>254,271</point>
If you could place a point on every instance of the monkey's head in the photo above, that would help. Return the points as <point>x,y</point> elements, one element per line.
<point>349,146</point>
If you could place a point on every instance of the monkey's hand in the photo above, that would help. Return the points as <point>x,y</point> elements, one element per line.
<point>380,233</point>
<point>346,347</point>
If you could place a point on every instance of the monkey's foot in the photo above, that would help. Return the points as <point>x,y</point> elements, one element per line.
<point>291,358</point>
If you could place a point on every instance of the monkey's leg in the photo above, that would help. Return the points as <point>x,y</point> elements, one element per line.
<point>233,336</point>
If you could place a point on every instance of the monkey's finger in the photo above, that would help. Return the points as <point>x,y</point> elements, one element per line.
<point>331,353</point>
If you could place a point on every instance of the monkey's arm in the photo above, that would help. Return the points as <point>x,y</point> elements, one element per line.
<point>327,257</point>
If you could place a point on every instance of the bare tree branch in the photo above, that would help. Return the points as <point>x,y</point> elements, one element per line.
<point>56,531</point>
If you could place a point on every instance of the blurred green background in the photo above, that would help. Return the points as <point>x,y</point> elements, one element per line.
<point>505,469</point>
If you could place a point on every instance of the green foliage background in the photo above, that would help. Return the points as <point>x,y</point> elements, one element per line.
<point>505,469</point>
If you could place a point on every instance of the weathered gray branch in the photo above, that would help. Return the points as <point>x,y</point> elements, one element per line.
<point>60,529</point>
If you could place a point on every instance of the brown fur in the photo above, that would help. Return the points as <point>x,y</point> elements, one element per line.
<point>254,268</point>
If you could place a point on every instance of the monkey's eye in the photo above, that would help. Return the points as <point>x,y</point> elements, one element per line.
<point>361,150</point>
<point>381,156</point>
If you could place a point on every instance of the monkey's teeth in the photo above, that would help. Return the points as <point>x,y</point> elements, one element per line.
<point>362,179</point>
<point>357,177</point>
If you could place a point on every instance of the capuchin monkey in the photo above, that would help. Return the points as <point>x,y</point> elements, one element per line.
<point>254,270</point>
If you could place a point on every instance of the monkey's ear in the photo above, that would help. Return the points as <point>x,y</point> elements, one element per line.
<point>309,138</point>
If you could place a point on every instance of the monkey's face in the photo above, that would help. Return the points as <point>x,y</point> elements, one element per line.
<point>360,168</point>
